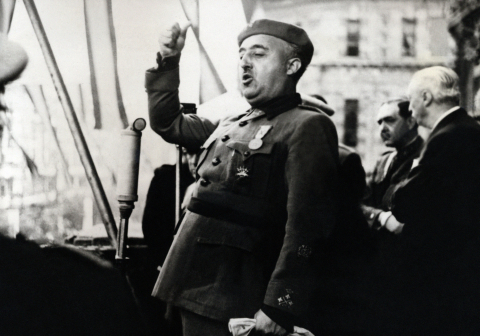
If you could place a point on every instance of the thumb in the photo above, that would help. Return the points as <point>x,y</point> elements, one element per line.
<point>184,28</point>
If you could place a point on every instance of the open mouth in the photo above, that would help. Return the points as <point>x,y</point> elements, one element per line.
<point>247,79</point>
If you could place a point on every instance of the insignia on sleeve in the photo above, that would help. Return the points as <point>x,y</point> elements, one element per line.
<point>285,301</point>
<point>304,251</point>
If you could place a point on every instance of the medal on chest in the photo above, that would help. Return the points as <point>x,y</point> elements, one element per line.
<point>257,142</point>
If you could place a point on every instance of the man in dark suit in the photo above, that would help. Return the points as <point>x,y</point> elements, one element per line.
<point>265,199</point>
<point>440,205</point>
<point>399,130</point>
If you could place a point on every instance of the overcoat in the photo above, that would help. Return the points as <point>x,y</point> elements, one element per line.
<point>391,169</point>
<point>439,204</point>
<point>260,214</point>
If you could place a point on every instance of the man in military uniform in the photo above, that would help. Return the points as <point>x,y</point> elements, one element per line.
<point>399,130</point>
<point>250,244</point>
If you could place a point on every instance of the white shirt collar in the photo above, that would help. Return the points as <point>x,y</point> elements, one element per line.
<point>444,115</point>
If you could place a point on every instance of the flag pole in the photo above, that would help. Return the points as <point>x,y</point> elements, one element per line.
<point>79,139</point>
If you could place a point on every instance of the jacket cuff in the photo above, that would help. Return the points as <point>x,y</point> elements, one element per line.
<point>162,81</point>
<point>280,317</point>
<point>167,63</point>
<point>371,215</point>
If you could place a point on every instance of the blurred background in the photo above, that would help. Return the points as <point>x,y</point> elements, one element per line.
<point>365,53</point>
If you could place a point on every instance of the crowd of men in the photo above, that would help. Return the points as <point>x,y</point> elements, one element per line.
<point>281,226</point>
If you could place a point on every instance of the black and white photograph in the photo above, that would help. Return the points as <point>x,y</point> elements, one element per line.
<point>240,167</point>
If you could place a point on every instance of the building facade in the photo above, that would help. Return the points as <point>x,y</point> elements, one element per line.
<point>365,53</point>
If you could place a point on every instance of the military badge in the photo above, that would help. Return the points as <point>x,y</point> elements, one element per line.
<point>304,251</point>
<point>242,173</point>
<point>285,301</point>
<point>257,142</point>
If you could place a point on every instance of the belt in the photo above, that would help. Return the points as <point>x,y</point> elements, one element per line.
<point>234,208</point>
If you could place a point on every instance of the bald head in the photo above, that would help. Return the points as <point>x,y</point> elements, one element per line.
<point>431,92</point>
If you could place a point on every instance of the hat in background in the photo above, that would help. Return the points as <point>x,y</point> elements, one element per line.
<point>13,60</point>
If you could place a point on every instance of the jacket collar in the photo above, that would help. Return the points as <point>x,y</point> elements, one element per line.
<point>444,115</point>
<point>413,147</point>
<point>275,106</point>
<point>448,118</point>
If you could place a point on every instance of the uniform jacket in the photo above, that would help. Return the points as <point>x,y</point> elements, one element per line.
<point>391,169</point>
<point>258,218</point>
<point>439,204</point>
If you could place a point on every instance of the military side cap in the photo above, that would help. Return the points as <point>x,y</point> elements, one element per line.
<point>13,59</point>
<point>281,30</point>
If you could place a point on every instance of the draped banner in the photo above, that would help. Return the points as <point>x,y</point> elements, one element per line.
<point>211,85</point>
<point>253,10</point>
<point>32,166</point>
<point>37,97</point>
<point>6,14</point>
<point>108,105</point>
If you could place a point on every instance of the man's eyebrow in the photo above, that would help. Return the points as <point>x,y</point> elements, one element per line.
<point>255,46</point>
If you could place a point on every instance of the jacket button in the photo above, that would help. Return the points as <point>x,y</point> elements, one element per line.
<point>225,138</point>
<point>216,161</point>
<point>247,153</point>
<point>243,123</point>
<point>204,182</point>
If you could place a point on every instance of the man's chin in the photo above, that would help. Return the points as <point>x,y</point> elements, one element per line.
<point>252,99</point>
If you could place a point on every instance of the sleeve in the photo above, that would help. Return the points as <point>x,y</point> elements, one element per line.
<point>370,212</point>
<point>371,215</point>
<point>311,174</point>
<point>413,197</point>
<point>165,110</point>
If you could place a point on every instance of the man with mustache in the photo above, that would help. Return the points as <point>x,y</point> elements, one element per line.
<point>252,241</point>
<point>398,129</point>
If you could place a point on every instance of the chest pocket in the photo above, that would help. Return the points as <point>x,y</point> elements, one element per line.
<point>248,171</point>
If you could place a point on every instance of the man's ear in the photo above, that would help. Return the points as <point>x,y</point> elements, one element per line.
<point>411,122</point>
<point>427,97</point>
<point>293,65</point>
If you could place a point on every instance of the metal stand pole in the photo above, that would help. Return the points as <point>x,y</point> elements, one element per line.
<point>178,200</point>
<point>126,209</point>
<point>127,184</point>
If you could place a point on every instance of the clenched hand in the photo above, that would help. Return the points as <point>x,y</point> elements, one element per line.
<point>172,40</point>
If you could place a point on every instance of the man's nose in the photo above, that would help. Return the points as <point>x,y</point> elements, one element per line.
<point>245,62</point>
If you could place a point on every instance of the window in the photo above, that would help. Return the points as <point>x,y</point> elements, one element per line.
<point>408,39</point>
<point>350,125</point>
<point>353,37</point>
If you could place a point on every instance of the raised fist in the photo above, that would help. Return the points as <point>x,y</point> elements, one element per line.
<point>172,40</point>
